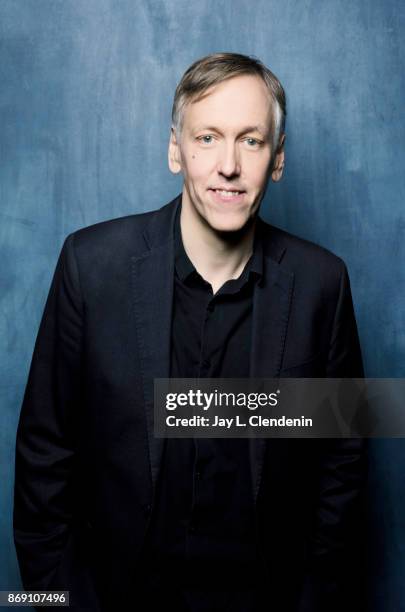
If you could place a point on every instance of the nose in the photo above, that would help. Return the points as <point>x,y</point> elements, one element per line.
<point>229,162</point>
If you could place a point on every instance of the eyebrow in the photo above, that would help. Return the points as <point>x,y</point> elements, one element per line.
<point>245,130</point>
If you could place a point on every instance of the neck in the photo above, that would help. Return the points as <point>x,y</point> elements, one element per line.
<point>217,256</point>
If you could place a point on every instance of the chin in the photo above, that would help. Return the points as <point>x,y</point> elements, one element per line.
<point>228,223</point>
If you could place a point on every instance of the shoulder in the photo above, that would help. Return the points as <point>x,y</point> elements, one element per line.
<point>299,256</point>
<point>120,237</point>
<point>122,233</point>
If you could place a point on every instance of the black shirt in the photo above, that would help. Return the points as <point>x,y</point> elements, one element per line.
<point>211,334</point>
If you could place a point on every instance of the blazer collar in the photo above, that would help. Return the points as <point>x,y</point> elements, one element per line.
<point>152,284</point>
<point>271,310</point>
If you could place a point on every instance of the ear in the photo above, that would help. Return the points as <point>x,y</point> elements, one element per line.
<point>174,157</point>
<point>278,164</point>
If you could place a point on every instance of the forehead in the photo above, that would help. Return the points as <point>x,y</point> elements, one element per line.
<point>241,100</point>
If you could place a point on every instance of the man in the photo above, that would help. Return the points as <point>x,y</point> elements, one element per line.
<point>200,288</point>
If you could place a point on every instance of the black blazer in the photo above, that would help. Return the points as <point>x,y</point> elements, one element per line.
<point>87,461</point>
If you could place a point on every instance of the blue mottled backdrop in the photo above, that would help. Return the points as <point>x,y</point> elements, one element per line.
<point>85,100</point>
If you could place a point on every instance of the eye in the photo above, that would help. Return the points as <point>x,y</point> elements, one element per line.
<point>253,142</point>
<point>205,139</point>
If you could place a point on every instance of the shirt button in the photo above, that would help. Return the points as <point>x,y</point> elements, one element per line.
<point>198,475</point>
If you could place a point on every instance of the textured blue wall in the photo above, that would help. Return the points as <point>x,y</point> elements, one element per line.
<point>85,99</point>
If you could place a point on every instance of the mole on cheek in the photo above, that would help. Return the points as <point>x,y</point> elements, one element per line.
<point>193,156</point>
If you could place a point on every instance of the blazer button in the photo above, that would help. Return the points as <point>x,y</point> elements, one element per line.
<point>147,509</point>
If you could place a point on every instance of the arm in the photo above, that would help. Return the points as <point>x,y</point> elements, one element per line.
<point>46,436</point>
<point>335,572</point>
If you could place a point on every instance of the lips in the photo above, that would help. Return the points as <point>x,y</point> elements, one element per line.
<point>227,192</point>
<point>227,195</point>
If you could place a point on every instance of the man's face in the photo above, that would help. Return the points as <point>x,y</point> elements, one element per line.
<point>224,152</point>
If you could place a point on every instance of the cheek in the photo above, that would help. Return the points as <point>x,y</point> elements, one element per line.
<point>197,166</point>
<point>256,172</point>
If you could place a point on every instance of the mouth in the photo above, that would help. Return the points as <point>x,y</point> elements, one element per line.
<point>227,195</point>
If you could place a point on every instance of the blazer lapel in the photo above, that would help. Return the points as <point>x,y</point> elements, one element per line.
<point>271,309</point>
<point>152,281</point>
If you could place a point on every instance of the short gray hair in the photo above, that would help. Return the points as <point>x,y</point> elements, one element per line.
<point>218,67</point>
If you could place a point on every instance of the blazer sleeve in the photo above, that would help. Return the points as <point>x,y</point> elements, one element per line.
<point>44,493</point>
<point>334,579</point>
<point>344,359</point>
